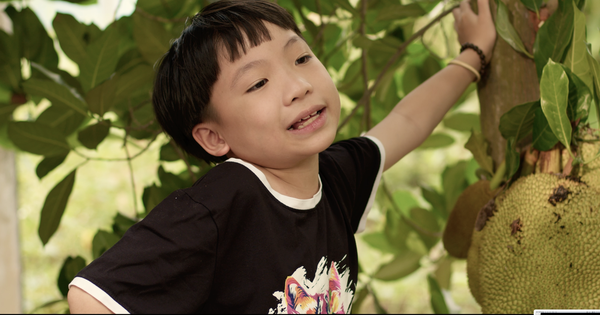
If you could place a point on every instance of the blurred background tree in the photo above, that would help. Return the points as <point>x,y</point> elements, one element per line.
<point>75,86</point>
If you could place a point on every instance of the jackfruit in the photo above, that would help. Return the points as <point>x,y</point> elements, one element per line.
<point>540,249</point>
<point>457,234</point>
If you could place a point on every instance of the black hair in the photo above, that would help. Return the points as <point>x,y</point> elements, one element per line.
<point>188,71</point>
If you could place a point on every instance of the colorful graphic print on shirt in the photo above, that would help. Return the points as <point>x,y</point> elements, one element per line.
<point>330,292</point>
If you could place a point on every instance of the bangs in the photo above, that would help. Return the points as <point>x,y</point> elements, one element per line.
<point>237,26</point>
<point>237,39</point>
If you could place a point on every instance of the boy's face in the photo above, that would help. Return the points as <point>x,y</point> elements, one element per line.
<point>260,98</point>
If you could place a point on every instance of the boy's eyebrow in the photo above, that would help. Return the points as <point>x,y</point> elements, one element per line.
<point>244,69</point>
<point>292,40</point>
<point>255,63</point>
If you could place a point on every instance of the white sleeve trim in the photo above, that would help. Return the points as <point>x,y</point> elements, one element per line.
<point>98,294</point>
<point>363,220</point>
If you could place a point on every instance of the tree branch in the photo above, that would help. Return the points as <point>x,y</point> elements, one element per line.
<point>367,94</point>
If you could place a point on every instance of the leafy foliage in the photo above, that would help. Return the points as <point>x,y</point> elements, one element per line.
<point>370,48</point>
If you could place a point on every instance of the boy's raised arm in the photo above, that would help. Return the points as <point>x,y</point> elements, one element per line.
<point>81,302</point>
<point>413,119</point>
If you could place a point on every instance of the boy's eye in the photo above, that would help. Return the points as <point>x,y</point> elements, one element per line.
<point>303,59</point>
<point>258,85</point>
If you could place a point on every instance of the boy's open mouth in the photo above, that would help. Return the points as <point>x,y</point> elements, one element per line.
<point>305,121</point>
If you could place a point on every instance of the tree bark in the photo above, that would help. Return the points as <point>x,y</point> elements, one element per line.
<point>10,264</point>
<point>512,78</point>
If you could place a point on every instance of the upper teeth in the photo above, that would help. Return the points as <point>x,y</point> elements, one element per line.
<point>307,117</point>
<point>305,121</point>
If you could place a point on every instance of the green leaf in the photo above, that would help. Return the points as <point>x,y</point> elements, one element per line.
<point>401,266</point>
<point>381,242</point>
<point>71,266</point>
<point>400,11</point>
<point>37,45</point>
<point>463,122</point>
<point>345,4</point>
<point>405,200</point>
<point>507,31</point>
<point>103,241</point>
<point>358,300</point>
<point>81,2</point>
<point>437,140</point>
<point>167,9</point>
<point>6,111</point>
<point>580,97</point>
<point>93,135</point>
<point>595,70</point>
<point>121,224</point>
<point>37,138</point>
<point>576,58</point>
<point>58,94</point>
<point>151,37</point>
<point>101,59</point>
<point>10,61</point>
<point>396,232</point>
<point>533,5</point>
<point>167,153</point>
<point>454,182</point>
<point>438,303</point>
<point>48,164</point>
<point>102,97</point>
<point>152,196</point>
<point>138,79</point>
<point>428,222</point>
<point>554,98</point>
<point>417,73</point>
<point>543,138</point>
<point>512,158</point>
<point>61,119</point>
<point>351,84</point>
<point>479,148</point>
<point>443,272</point>
<point>554,36</point>
<point>169,181</point>
<point>436,200</point>
<point>71,34</point>
<point>54,207</point>
<point>518,121</point>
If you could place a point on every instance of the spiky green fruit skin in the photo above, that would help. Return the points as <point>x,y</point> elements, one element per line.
<point>550,263</point>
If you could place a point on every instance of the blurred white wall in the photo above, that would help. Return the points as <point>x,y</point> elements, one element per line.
<point>10,264</point>
<point>10,261</point>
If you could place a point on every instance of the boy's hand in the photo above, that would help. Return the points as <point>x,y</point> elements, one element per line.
<point>475,29</point>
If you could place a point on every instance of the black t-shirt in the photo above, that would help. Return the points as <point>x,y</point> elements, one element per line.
<point>231,244</point>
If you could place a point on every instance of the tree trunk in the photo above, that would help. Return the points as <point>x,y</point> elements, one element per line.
<point>10,264</point>
<point>512,79</point>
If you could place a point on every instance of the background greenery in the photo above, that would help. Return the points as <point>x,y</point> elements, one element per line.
<point>72,89</point>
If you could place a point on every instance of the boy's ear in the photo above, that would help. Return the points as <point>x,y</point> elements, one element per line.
<point>212,142</point>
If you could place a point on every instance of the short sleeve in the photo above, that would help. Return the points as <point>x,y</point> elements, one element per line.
<point>353,170</point>
<point>163,264</point>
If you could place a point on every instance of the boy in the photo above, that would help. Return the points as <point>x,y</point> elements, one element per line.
<point>270,230</point>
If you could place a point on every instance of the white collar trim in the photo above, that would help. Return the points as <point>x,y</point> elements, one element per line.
<point>295,203</point>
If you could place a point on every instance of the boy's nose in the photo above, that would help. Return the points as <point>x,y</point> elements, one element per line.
<point>296,88</point>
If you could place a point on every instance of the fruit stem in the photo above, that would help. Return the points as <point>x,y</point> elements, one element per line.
<point>498,176</point>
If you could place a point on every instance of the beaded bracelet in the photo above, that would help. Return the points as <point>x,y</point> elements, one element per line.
<point>479,52</point>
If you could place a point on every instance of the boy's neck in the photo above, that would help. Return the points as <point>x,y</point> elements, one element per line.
<point>300,181</point>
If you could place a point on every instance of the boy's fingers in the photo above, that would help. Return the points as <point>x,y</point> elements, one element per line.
<point>456,14</point>
<point>465,7</point>
<point>484,7</point>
